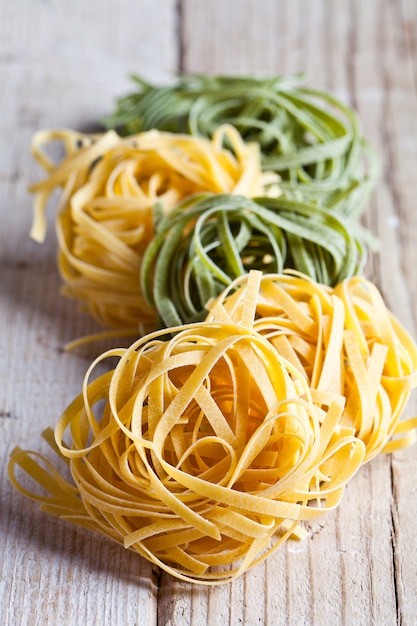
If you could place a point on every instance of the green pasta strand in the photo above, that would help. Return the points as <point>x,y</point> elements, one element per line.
<point>210,240</point>
<point>310,137</point>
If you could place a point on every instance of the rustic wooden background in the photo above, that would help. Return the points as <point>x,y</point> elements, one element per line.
<point>63,64</point>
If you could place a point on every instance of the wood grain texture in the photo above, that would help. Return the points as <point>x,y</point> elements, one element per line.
<point>359,565</point>
<point>63,64</point>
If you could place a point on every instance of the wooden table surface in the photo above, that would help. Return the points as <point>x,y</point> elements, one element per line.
<point>62,64</point>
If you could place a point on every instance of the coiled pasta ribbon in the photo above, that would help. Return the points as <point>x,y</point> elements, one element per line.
<point>207,242</point>
<point>310,137</point>
<point>208,452</point>
<point>110,188</point>
<point>343,341</point>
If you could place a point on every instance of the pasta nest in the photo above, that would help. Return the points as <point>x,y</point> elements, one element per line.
<point>309,137</point>
<point>207,444</point>
<point>342,340</point>
<point>112,189</point>
<point>206,242</point>
<point>207,453</point>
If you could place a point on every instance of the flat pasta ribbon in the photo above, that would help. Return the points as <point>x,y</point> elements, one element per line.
<point>343,341</point>
<point>111,189</point>
<point>206,242</point>
<point>308,136</point>
<point>206,455</point>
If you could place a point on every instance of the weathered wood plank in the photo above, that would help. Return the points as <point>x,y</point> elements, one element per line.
<point>62,64</point>
<point>353,568</point>
<point>393,120</point>
<point>397,225</point>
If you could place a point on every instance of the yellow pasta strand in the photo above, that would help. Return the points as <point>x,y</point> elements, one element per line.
<point>343,341</point>
<point>207,454</point>
<point>110,190</point>
<point>209,443</point>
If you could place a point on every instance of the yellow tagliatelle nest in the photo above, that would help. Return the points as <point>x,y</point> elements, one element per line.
<point>343,341</point>
<point>111,189</point>
<point>208,452</point>
<point>208,443</point>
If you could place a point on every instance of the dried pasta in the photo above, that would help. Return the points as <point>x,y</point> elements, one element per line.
<point>207,242</point>
<point>308,136</point>
<point>111,190</point>
<point>343,341</point>
<point>207,454</point>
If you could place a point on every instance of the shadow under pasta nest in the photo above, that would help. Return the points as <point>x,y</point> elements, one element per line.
<point>77,547</point>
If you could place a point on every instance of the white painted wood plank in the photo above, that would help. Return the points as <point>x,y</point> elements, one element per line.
<point>353,568</point>
<point>62,64</point>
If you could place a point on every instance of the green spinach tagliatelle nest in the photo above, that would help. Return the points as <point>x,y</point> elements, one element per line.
<point>210,240</point>
<point>310,137</point>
